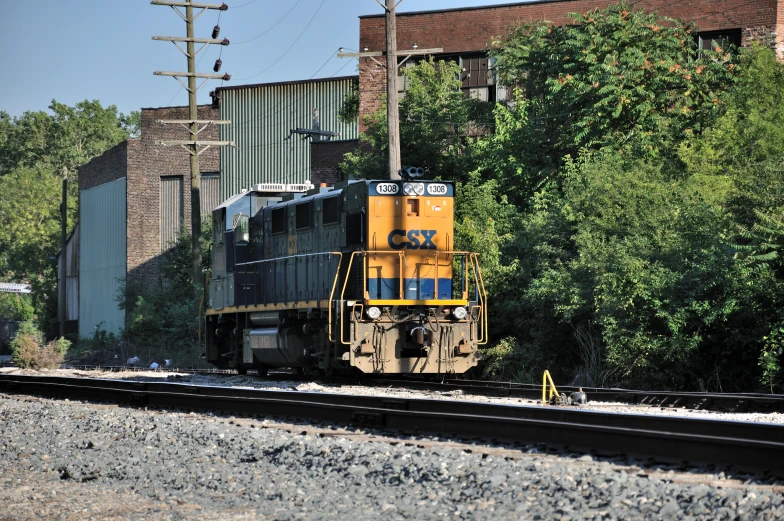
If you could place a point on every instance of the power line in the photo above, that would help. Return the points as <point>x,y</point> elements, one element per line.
<point>290,47</point>
<point>271,27</point>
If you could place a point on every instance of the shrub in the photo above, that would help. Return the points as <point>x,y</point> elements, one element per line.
<point>29,354</point>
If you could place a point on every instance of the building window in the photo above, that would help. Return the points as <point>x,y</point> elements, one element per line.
<point>477,77</point>
<point>209,192</point>
<point>171,210</point>
<point>724,40</point>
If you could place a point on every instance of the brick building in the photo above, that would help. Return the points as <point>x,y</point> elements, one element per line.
<point>465,34</point>
<point>134,200</point>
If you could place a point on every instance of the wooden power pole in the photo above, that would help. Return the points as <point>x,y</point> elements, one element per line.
<point>193,123</point>
<point>393,118</point>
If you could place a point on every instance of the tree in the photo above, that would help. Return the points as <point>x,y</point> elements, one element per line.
<point>618,78</point>
<point>29,236</point>
<point>16,307</point>
<point>645,264</point>
<point>67,138</point>
<point>436,120</point>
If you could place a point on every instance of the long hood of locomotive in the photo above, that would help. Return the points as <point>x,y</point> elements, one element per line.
<point>408,223</point>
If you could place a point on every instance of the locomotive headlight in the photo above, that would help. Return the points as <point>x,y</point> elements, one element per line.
<point>373,312</point>
<point>459,313</point>
<point>414,188</point>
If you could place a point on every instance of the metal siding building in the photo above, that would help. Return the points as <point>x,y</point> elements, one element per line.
<point>71,276</point>
<point>262,117</point>
<point>102,256</point>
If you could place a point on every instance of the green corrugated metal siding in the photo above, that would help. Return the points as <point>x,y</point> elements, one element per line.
<point>262,116</point>
<point>102,259</point>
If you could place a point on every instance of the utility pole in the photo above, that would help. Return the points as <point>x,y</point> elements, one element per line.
<point>393,118</point>
<point>62,266</point>
<point>194,145</point>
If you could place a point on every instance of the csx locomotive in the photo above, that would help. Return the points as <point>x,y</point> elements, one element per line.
<point>360,276</point>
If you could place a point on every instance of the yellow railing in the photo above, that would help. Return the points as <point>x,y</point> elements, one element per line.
<point>553,391</point>
<point>471,267</point>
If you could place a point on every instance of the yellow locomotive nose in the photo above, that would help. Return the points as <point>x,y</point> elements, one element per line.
<point>417,224</point>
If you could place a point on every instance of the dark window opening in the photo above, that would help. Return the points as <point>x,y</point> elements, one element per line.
<point>726,40</point>
<point>303,214</point>
<point>279,220</point>
<point>330,211</point>
<point>355,234</point>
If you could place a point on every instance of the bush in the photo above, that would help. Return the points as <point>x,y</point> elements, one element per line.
<point>27,352</point>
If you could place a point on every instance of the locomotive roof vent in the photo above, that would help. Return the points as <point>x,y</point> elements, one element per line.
<point>279,188</point>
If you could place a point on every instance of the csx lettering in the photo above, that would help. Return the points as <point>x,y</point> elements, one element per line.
<point>413,242</point>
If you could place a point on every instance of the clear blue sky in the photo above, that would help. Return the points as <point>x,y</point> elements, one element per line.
<point>71,50</point>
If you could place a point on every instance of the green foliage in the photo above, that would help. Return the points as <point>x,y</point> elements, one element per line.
<point>163,322</point>
<point>16,307</point>
<point>436,122</point>
<point>635,252</point>
<point>66,138</point>
<point>617,78</point>
<point>27,352</point>
<point>510,362</point>
<point>745,147</point>
<point>770,358</point>
<point>349,109</point>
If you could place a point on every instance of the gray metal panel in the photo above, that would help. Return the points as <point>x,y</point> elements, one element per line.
<point>262,116</point>
<point>72,276</point>
<point>209,193</point>
<point>102,256</point>
<point>171,210</point>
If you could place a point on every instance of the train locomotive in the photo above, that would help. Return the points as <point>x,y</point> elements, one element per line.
<point>359,277</point>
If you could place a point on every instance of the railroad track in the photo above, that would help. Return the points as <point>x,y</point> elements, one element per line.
<point>722,402</point>
<point>745,446</point>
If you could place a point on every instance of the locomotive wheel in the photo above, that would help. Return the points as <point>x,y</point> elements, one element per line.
<point>242,371</point>
<point>262,369</point>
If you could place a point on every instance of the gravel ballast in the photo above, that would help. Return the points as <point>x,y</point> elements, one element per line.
<point>70,460</point>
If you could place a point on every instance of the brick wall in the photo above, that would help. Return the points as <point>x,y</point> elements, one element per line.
<point>109,166</point>
<point>147,162</point>
<point>325,156</point>
<point>473,29</point>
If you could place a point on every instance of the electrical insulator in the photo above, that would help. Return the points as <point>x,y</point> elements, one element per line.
<point>217,65</point>
<point>215,31</point>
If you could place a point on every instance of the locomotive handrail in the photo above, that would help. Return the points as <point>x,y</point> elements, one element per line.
<point>284,260</point>
<point>473,257</point>
<point>331,294</point>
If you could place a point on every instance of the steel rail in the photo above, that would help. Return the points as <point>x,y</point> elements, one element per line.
<point>725,402</point>
<point>752,446</point>
<point>728,402</point>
